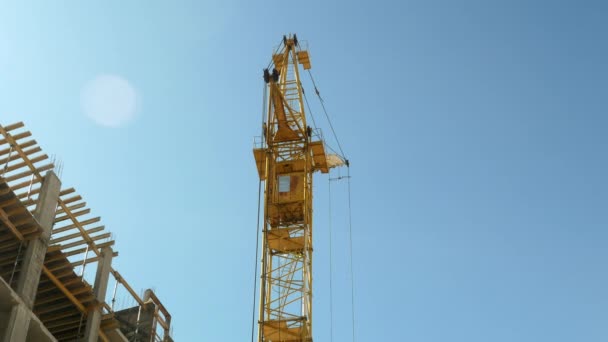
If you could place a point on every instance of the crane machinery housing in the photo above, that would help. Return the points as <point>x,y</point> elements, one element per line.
<point>286,159</point>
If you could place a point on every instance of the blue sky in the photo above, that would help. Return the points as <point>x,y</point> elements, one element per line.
<point>476,131</point>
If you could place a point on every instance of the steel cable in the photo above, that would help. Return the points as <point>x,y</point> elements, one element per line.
<point>350,225</point>
<point>331,304</point>
<point>350,236</point>
<point>257,241</point>
<point>327,116</point>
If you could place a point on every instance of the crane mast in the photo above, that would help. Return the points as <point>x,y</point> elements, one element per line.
<point>286,161</point>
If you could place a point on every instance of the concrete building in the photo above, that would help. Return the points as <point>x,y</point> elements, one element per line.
<point>49,242</point>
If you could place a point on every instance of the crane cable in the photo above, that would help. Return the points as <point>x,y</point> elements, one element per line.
<point>350,224</point>
<point>279,46</point>
<point>331,290</point>
<point>350,252</point>
<point>327,116</point>
<point>257,243</point>
<point>314,124</point>
<point>329,179</point>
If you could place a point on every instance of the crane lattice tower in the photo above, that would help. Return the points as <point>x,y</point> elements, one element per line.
<point>286,161</point>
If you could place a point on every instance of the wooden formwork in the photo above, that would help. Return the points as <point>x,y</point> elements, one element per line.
<point>64,298</point>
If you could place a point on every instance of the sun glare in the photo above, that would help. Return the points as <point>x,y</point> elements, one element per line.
<point>109,100</point>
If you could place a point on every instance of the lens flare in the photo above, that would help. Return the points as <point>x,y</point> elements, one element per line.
<point>109,100</point>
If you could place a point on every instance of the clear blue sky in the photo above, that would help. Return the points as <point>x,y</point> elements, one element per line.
<point>476,131</point>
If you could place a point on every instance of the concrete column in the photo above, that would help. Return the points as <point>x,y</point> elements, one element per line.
<point>91,333</point>
<point>18,324</point>
<point>36,249</point>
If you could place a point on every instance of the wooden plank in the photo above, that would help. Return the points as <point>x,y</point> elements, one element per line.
<point>64,265</point>
<point>64,273</point>
<point>82,242</point>
<point>59,316</point>
<point>14,126</point>
<point>80,227</point>
<point>15,137</point>
<point>7,246</point>
<point>5,190</point>
<point>16,210</point>
<point>71,319</point>
<point>66,192</point>
<point>82,250</point>
<point>9,260</point>
<point>4,218</point>
<point>48,309</point>
<point>24,184</point>
<point>71,199</point>
<point>69,336</point>
<point>8,203</point>
<point>29,151</point>
<point>29,172</point>
<point>24,164</point>
<point>23,145</point>
<point>69,215</point>
<point>63,289</point>
<point>124,283</point>
<point>75,235</point>
<point>72,226</point>
<point>160,304</point>
<point>55,297</point>
<point>67,283</point>
<point>90,260</point>
<point>103,336</point>
<point>73,207</point>
<point>26,220</point>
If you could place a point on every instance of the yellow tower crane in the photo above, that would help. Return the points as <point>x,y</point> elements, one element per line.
<point>286,161</point>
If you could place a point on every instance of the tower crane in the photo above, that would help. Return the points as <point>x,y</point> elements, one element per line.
<point>286,159</point>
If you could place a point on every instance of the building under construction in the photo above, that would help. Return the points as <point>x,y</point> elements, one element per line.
<point>49,243</point>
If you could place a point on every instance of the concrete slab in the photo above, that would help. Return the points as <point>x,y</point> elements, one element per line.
<point>17,322</point>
